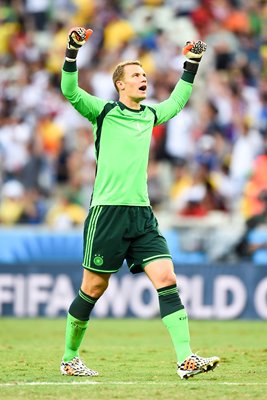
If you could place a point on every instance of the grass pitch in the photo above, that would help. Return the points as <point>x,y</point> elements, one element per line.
<point>135,359</point>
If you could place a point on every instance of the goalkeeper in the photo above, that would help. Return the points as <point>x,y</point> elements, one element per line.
<point>120,224</point>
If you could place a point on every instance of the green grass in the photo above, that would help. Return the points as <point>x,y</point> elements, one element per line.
<point>135,358</point>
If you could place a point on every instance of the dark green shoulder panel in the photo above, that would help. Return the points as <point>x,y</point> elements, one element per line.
<point>99,121</point>
<point>154,112</point>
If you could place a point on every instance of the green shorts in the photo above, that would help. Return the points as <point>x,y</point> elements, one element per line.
<point>113,234</point>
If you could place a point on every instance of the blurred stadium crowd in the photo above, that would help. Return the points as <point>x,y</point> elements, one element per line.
<point>212,157</point>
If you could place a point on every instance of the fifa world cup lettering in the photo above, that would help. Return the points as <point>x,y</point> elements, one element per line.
<point>230,297</point>
<point>260,299</point>
<point>219,297</point>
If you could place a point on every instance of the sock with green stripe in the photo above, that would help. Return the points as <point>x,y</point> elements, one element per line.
<point>174,317</point>
<point>77,322</point>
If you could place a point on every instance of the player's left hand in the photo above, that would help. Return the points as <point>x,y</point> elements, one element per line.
<point>194,50</point>
<point>77,37</point>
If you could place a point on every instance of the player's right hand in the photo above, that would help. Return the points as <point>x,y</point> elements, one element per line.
<point>77,37</point>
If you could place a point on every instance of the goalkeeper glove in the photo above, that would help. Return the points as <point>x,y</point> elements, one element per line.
<point>194,52</point>
<point>76,39</point>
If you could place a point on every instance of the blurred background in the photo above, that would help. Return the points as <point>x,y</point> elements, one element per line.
<point>207,176</point>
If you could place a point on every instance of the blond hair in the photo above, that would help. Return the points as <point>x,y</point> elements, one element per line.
<point>118,73</point>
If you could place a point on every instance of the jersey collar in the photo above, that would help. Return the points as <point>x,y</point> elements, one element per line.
<point>123,107</point>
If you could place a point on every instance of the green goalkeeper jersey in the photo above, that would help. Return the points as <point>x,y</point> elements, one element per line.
<point>122,139</point>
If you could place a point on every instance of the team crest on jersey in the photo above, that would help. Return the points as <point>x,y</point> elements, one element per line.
<point>98,260</point>
<point>138,126</point>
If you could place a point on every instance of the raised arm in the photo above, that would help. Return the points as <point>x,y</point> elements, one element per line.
<point>167,109</point>
<point>86,104</point>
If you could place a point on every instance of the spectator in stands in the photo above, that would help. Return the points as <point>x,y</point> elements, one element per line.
<point>250,202</point>
<point>38,13</point>
<point>246,148</point>
<point>34,208</point>
<point>179,140</point>
<point>201,197</point>
<point>181,181</point>
<point>15,136</point>
<point>65,214</point>
<point>246,247</point>
<point>12,202</point>
<point>263,113</point>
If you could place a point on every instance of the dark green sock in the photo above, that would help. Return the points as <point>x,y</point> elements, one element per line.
<point>77,322</point>
<point>82,306</point>
<point>175,319</point>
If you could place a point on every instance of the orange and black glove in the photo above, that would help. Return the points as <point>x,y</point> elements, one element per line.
<point>193,50</point>
<point>76,39</point>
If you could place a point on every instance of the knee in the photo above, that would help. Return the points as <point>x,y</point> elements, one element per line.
<point>94,290</point>
<point>161,273</point>
<point>94,287</point>
<point>168,278</point>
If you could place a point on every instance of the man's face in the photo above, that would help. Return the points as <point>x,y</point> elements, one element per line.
<point>134,83</point>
